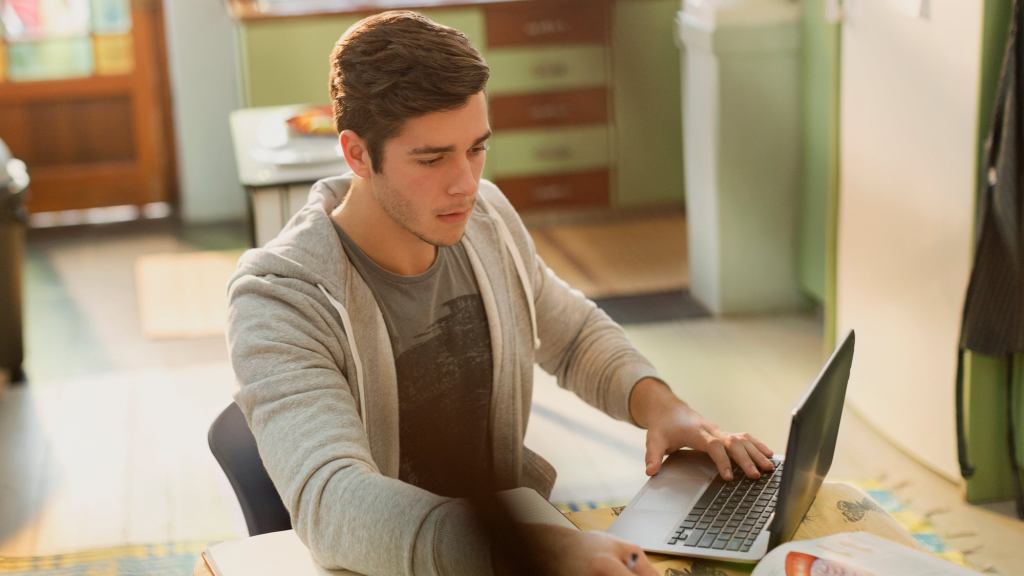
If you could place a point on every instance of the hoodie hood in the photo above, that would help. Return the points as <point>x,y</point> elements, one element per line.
<point>299,250</point>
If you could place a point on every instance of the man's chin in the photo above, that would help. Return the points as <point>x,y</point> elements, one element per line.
<point>445,241</point>
<point>448,242</point>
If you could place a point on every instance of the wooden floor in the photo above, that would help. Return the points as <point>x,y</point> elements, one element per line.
<point>106,445</point>
<point>633,255</point>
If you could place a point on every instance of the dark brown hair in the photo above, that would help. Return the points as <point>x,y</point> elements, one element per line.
<point>395,66</point>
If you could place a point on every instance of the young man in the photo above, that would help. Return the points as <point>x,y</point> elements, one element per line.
<point>385,340</point>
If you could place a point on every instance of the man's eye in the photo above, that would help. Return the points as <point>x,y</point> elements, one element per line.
<point>430,161</point>
<point>479,150</point>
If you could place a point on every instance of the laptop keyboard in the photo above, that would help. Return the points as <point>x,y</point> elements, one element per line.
<point>730,515</point>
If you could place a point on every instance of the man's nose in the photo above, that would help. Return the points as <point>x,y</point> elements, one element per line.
<point>464,179</point>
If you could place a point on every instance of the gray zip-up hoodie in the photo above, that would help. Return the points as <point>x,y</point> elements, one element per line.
<point>312,355</point>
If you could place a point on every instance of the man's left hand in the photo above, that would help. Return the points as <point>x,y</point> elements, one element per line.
<point>671,424</point>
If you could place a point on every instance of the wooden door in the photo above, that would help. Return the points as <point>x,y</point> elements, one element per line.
<point>88,110</point>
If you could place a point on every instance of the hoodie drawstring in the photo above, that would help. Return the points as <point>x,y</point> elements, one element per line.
<point>517,259</point>
<point>346,323</point>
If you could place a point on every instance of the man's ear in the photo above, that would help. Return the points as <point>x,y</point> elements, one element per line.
<point>357,155</point>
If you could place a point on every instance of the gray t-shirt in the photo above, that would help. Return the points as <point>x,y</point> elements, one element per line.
<point>442,348</point>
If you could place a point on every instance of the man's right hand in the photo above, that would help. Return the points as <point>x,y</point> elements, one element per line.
<point>568,552</point>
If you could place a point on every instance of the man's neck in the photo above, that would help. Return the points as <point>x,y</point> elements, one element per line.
<point>386,242</point>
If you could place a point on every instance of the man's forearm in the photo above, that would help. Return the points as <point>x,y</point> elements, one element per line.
<point>651,397</point>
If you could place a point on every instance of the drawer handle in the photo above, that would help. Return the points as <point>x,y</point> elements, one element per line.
<point>551,111</point>
<point>551,192</point>
<point>551,70</point>
<point>537,28</point>
<point>553,153</point>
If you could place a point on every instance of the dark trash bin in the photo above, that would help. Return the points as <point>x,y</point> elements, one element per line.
<point>14,181</point>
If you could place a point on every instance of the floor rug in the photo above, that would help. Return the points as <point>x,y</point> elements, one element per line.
<point>142,560</point>
<point>183,295</point>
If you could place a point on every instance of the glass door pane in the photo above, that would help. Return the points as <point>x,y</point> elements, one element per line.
<point>50,59</point>
<point>111,16</point>
<point>42,19</point>
<point>55,39</point>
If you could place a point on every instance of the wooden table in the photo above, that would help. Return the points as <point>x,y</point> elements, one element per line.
<point>839,507</point>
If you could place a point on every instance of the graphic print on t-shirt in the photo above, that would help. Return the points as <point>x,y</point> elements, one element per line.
<point>441,340</point>
<point>444,401</point>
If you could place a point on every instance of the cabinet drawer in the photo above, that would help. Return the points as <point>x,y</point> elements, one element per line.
<point>572,108</point>
<point>543,152</point>
<point>526,70</point>
<point>563,190</point>
<point>533,23</point>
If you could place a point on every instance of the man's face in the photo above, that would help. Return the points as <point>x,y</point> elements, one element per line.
<point>431,170</point>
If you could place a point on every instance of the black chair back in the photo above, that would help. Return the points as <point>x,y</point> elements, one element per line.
<point>234,447</point>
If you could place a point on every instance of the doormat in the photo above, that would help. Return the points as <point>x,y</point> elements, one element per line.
<point>183,295</point>
<point>655,307</point>
<point>178,559</point>
<point>626,257</point>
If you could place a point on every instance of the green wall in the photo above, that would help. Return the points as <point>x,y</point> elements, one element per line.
<point>286,61</point>
<point>986,421</point>
<point>820,194</point>
<point>985,413</point>
<point>820,95</point>
<point>994,34</point>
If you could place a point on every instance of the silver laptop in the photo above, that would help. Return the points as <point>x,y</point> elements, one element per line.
<point>687,509</point>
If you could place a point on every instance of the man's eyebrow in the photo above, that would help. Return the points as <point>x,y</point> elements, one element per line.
<point>481,139</point>
<point>443,149</point>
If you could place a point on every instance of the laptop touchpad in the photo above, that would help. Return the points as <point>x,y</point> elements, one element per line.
<point>681,480</point>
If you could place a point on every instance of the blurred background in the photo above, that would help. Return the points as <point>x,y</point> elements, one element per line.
<point>738,182</point>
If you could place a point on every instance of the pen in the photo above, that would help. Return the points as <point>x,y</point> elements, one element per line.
<point>631,563</point>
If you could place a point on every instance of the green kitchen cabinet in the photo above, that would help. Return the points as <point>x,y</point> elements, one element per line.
<point>631,55</point>
<point>542,152</point>
<point>533,69</point>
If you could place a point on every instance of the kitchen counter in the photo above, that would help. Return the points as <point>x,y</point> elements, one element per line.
<point>268,155</point>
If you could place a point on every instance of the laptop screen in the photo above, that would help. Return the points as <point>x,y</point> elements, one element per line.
<point>812,442</point>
